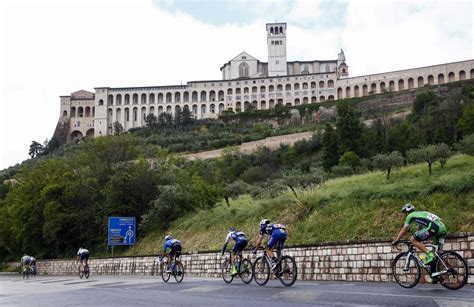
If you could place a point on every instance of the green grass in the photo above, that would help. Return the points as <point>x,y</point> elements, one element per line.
<point>357,207</point>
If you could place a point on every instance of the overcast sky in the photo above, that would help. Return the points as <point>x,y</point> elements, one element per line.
<point>53,48</point>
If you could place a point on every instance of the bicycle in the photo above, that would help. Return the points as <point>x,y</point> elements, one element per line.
<point>285,270</point>
<point>84,271</point>
<point>177,269</point>
<point>243,266</point>
<point>27,272</point>
<point>449,268</point>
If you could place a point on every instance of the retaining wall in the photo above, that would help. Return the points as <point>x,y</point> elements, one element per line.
<point>368,260</point>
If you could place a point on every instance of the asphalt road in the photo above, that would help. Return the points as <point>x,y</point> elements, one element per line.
<point>152,291</point>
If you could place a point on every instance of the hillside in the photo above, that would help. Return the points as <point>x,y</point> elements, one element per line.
<point>356,207</point>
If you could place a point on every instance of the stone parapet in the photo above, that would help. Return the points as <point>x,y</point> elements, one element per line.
<point>368,260</point>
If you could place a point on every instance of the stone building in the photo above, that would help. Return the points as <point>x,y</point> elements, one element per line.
<point>247,83</point>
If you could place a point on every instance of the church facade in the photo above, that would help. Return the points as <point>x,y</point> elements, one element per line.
<point>246,84</point>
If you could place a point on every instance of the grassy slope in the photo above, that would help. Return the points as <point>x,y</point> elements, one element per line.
<point>357,207</point>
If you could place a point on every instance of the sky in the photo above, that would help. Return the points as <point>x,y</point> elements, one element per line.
<point>50,48</point>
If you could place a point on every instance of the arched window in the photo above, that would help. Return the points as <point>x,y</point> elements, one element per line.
<point>135,99</point>
<point>411,83</point>
<point>279,88</point>
<point>186,97</point>
<point>118,99</point>
<point>451,77</point>
<point>160,97</point>
<point>168,97</point>
<point>243,70</point>
<point>143,98</point>
<point>296,86</point>
<point>64,113</point>
<point>462,75</point>
<point>313,84</point>
<point>440,79</point>
<point>330,84</point>
<point>203,96</point>
<point>288,87</point>
<point>152,98</point>
<point>373,88</point>
<point>430,79</point>
<point>305,85</point>
<point>177,97</point>
<point>110,100</point>
<point>391,86</point>
<point>401,85</point>
<point>73,111</point>
<point>339,93</point>
<point>364,90</point>
<point>220,95</point>
<point>321,84</point>
<point>348,92</point>
<point>356,91</point>
<point>262,89</point>
<point>382,87</point>
<point>229,91</point>
<point>420,82</point>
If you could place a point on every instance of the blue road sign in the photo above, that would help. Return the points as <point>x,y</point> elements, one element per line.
<point>121,231</point>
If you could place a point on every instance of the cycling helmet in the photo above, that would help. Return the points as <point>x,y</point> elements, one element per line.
<point>168,237</point>
<point>231,229</point>
<point>408,208</point>
<point>264,221</point>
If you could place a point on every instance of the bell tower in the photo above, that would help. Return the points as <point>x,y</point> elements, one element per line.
<point>276,41</point>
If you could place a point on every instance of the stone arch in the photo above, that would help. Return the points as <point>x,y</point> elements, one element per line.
<point>110,100</point>
<point>313,84</point>
<point>76,135</point>
<point>212,108</point>
<point>221,107</point>
<point>288,87</point>
<point>330,98</point>
<point>331,84</point>
<point>118,115</point>
<point>322,98</point>
<point>462,75</point>
<point>263,105</point>
<point>391,86</point>
<point>126,99</point>
<point>254,104</point>
<point>203,96</point>
<point>186,96</point>
<point>296,87</point>
<point>64,113</point>
<point>262,89</point>
<point>220,95</point>
<point>246,105</point>
<point>271,88</point>
<point>356,91</point>
<point>471,73</point>
<point>168,109</point>
<point>90,133</point>
<point>420,82</point>
<point>430,80</point>
<point>313,99</point>
<point>305,100</point>
<point>135,114</point>
<point>365,90</point>
<point>143,98</point>
<point>160,110</point>
<point>110,114</point>
<point>238,106</point>
<point>118,99</point>
<point>279,87</point>
<point>305,85</point>
<point>321,84</point>
<point>401,85</point>
<point>177,97</point>
<point>143,114</point>
<point>254,89</point>
<point>80,112</point>
<point>297,102</point>
<point>127,116</point>
<point>229,91</point>
<point>135,98</point>
<point>271,104</point>
<point>382,87</point>
<point>151,99</point>
<point>194,96</point>
<point>88,111</point>
<point>451,77</point>
<point>101,102</point>
<point>373,88</point>
<point>348,92</point>
<point>177,109</point>
<point>238,91</point>
<point>339,93</point>
<point>440,78</point>
<point>169,97</point>
<point>280,101</point>
<point>212,95</point>
<point>194,109</point>
<point>411,83</point>
<point>73,111</point>
<point>160,97</point>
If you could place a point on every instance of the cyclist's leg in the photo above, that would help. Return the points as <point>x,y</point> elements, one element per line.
<point>423,235</point>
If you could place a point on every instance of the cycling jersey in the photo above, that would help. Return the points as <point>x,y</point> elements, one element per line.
<point>240,239</point>
<point>277,233</point>
<point>174,246</point>
<point>26,260</point>
<point>268,229</point>
<point>430,226</point>
<point>83,254</point>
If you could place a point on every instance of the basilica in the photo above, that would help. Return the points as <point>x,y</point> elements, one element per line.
<point>247,83</point>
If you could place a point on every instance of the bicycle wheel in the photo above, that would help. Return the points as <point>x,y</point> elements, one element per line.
<point>406,271</point>
<point>261,271</point>
<point>246,272</point>
<point>226,268</point>
<point>288,271</point>
<point>164,274</point>
<point>81,272</point>
<point>24,274</point>
<point>86,271</point>
<point>456,270</point>
<point>178,271</point>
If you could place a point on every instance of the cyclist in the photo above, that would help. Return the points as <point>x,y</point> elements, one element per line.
<point>241,242</point>
<point>175,250</point>
<point>26,262</point>
<point>33,264</point>
<point>83,255</point>
<point>277,234</point>
<point>429,226</point>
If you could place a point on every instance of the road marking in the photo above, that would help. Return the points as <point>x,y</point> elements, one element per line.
<point>450,303</point>
<point>57,280</point>
<point>80,282</point>
<point>109,284</point>
<point>297,295</point>
<point>203,289</point>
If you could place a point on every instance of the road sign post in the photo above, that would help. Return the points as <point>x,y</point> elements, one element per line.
<point>121,231</point>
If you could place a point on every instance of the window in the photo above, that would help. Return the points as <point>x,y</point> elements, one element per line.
<point>277,62</point>
<point>244,57</point>
<point>243,70</point>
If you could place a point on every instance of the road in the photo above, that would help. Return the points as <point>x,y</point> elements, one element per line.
<point>152,291</point>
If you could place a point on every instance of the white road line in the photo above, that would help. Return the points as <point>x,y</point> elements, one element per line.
<point>203,289</point>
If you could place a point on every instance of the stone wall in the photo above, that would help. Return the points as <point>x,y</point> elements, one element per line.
<point>341,261</point>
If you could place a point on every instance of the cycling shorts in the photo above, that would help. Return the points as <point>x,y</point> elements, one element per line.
<point>239,246</point>
<point>277,239</point>
<point>84,256</point>
<point>27,262</point>
<point>432,231</point>
<point>175,250</point>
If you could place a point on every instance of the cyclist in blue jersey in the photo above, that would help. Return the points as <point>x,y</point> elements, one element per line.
<point>175,249</point>
<point>277,234</point>
<point>241,242</point>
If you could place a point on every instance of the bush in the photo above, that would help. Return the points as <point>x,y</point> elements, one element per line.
<point>466,146</point>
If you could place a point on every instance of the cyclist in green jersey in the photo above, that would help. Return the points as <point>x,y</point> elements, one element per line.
<point>429,225</point>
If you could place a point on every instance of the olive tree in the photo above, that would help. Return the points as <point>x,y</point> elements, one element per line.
<point>386,162</point>
<point>430,154</point>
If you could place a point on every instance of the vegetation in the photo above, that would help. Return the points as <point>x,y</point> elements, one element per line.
<point>62,199</point>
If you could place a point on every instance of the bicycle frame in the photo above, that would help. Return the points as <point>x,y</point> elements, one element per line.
<point>427,268</point>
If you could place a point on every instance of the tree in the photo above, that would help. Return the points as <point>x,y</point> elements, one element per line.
<point>234,190</point>
<point>386,162</point>
<point>466,122</point>
<point>178,120</point>
<point>151,121</point>
<point>35,149</point>
<point>330,154</point>
<point>348,129</point>
<point>429,154</point>
<point>186,117</point>
<point>423,102</point>
<point>466,146</point>
<point>295,179</point>
<point>350,158</point>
